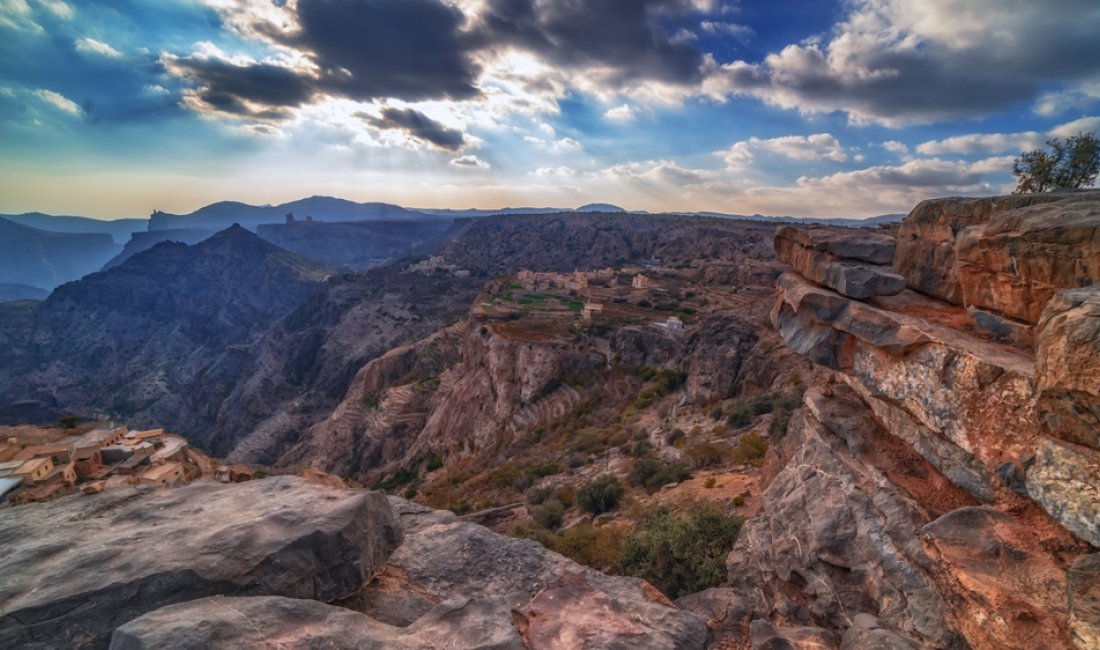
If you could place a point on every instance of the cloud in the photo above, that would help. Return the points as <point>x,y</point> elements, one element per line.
<point>874,190</point>
<point>1082,125</point>
<point>58,8</point>
<point>555,146</point>
<point>59,101</point>
<point>418,126</point>
<point>900,63</point>
<point>660,172</point>
<point>469,162</point>
<point>356,49</point>
<point>739,32</point>
<point>990,143</point>
<point>624,40</point>
<point>893,146</point>
<point>819,146</point>
<point>624,113</point>
<point>92,46</point>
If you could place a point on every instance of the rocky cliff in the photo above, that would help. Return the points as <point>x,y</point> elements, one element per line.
<point>943,490</point>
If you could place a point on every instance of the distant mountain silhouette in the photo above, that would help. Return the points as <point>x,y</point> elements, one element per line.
<point>600,207</point>
<point>133,338</point>
<point>320,208</point>
<point>46,259</point>
<point>118,229</point>
<point>143,241</point>
<point>11,292</point>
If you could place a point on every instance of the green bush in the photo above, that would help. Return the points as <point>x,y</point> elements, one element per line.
<point>401,478</point>
<point>549,514</point>
<point>681,553</point>
<point>740,417</point>
<point>537,495</point>
<point>706,454</point>
<point>600,495</point>
<point>674,436</point>
<point>716,413</point>
<point>651,473</point>
<point>750,449</point>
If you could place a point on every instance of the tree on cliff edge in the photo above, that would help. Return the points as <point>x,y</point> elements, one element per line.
<point>1072,163</point>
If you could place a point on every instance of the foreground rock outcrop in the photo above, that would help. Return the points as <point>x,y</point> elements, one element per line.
<point>944,492</point>
<point>284,562</point>
<point>76,568</point>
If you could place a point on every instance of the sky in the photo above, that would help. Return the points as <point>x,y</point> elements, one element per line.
<point>842,108</point>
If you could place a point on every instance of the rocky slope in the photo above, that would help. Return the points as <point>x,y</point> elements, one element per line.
<point>943,492</point>
<point>135,339</point>
<point>283,562</point>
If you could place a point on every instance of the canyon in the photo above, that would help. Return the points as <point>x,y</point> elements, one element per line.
<point>902,419</point>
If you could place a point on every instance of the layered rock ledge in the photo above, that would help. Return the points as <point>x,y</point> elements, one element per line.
<point>851,265</point>
<point>78,567</point>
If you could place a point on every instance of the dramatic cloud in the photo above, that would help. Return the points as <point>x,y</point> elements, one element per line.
<point>257,90</point>
<point>819,146</point>
<point>898,62</point>
<point>989,143</point>
<point>622,38</point>
<point>738,32</point>
<point>660,172</point>
<point>418,126</point>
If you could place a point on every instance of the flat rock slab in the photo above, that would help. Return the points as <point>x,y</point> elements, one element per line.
<point>75,569</point>
<point>221,623</point>
<point>818,254</point>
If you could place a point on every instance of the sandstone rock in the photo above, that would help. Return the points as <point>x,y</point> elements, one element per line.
<point>1084,601</point>
<point>280,536</point>
<point>842,243</point>
<point>1008,590</point>
<point>926,239</point>
<point>1065,481</point>
<point>1016,261</point>
<point>836,538</point>
<point>560,604</point>
<point>275,622</point>
<point>814,260</point>
<point>726,611</point>
<point>867,632</point>
<point>766,636</point>
<point>1068,366</point>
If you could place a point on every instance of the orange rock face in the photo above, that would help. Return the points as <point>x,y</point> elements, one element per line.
<point>1005,254</point>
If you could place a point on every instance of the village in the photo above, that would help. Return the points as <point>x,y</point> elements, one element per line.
<point>39,464</point>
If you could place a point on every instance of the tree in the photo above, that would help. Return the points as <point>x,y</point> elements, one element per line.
<point>69,421</point>
<point>1072,163</point>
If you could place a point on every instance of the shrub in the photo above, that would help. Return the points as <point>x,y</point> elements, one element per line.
<point>600,494</point>
<point>549,514</point>
<point>641,448</point>
<point>567,495</point>
<point>651,473</point>
<point>681,554</point>
<point>372,400</point>
<point>588,442</point>
<point>716,413</point>
<point>706,454</point>
<point>710,482</point>
<point>435,461</point>
<point>69,421</point>
<point>599,548</point>
<point>404,477</point>
<point>740,417</point>
<point>674,436</point>
<point>738,500</point>
<point>750,449</point>
<point>537,495</point>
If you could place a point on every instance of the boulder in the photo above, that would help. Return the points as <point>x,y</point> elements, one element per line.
<point>558,603</point>
<point>279,536</point>
<point>1016,261</point>
<point>1008,589</point>
<point>1065,480</point>
<point>812,253</point>
<point>1084,601</point>
<point>926,240</point>
<point>1007,255</point>
<point>223,623</point>
<point>765,636</point>
<point>1068,366</point>
<point>842,243</point>
<point>867,631</point>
